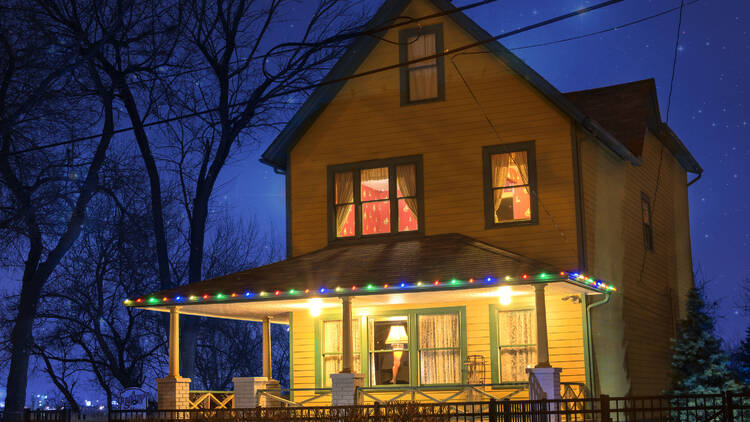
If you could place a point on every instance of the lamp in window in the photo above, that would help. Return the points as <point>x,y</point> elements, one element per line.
<point>398,340</point>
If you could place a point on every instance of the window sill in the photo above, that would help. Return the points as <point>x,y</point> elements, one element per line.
<point>532,222</point>
<point>375,238</point>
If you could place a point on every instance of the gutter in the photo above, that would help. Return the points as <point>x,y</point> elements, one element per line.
<point>589,340</point>
<point>696,179</point>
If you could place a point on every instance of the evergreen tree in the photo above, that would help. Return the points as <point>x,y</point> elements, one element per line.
<point>699,364</point>
<point>741,360</point>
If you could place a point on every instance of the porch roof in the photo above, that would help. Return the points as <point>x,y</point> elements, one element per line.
<point>392,265</point>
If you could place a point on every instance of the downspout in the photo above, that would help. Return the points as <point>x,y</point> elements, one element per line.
<point>590,341</point>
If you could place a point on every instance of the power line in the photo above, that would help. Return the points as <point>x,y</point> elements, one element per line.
<point>343,79</point>
<point>610,29</point>
<point>674,61</point>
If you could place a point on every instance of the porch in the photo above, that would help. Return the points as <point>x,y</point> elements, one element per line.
<point>415,337</point>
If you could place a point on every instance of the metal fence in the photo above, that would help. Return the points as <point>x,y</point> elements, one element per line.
<point>711,407</point>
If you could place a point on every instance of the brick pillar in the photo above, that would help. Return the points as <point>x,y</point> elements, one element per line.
<point>344,389</point>
<point>246,392</point>
<point>173,393</point>
<point>549,381</point>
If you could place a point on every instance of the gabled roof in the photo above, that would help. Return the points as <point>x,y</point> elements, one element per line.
<point>276,154</point>
<point>417,262</point>
<point>626,110</point>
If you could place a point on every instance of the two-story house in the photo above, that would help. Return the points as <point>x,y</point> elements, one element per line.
<point>456,221</point>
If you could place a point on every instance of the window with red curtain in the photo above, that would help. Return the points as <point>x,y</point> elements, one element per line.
<point>376,199</point>
<point>510,184</point>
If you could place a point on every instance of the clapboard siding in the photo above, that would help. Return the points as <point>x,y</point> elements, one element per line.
<point>366,121</point>
<point>564,321</point>
<point>643,277</point>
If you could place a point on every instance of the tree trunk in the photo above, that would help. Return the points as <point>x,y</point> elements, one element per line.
<point>22,340</point>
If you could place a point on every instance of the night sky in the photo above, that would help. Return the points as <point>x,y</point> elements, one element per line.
<point>710,113</point>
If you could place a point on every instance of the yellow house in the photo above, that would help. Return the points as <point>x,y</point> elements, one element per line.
<point>458,229</point>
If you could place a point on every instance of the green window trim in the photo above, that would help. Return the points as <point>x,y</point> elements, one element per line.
<point>495,367</point>
<point>413,332</point>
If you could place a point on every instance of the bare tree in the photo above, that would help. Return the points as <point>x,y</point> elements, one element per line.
<point>215,69</point>
<point>46,91</point>
<point>117,346</point>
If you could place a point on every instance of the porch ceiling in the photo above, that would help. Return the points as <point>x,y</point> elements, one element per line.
<point>279,310</point>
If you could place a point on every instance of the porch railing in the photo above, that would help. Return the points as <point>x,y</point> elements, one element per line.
<point>272,397</point>
<point>200,399</point>
<point>441,394</point>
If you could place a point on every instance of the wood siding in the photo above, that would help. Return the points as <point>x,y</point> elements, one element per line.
<point>564,325</point>
<point>366,121</point>
<point>651,283</point>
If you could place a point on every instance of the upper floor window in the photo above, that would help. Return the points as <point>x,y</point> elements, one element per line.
<point>510,184</point>
<point>648,233</point>
<point>422,81</point>
<point>375,198</point>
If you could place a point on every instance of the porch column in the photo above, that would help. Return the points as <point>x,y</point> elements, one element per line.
<point>542,348</point>
<point>267,347</point>
<point>173,391</point>
<point>270,385</point>
<point>174,341</point>
<point>544,381</point>
<point>344,385</point>
<point>346,335</point>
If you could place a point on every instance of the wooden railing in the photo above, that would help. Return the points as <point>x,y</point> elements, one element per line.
<point>210,400</point>
<point>276,397</point>
<point>441,394</point>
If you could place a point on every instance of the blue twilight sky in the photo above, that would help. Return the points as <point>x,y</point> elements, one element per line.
<point>710,113</point>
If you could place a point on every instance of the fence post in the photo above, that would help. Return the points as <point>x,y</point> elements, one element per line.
<point>726,397</point>
<point>493,410</point>
<point>604,407</point>
<point>506,410</point>
<point>376,411</point>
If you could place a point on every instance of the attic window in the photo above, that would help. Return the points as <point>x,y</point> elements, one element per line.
<point>377,197</point>
<point>422,81</point>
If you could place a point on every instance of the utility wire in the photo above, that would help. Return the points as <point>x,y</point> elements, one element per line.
<point>674,61</point>
<point>603,31</point>
<point>343,79</point>
<point>652,210</point>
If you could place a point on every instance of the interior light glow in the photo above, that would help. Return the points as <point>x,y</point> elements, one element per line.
<point>315,305</point>
<point>505,295</point>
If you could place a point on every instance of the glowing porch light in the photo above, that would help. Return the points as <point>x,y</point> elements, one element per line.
<point>505,295</point>
<point>315,305</point>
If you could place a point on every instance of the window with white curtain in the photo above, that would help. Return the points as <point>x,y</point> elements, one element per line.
<point>422,80</point>
<point>439,349</point>
<point>516,334</point>
<point>332,349</point>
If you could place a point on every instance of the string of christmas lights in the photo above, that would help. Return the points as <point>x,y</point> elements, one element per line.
<point>422,285</point>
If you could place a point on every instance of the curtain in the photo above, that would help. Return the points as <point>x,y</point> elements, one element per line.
<point>441,362</point>
<point>332,343</point>
<point>422,75</point>
<point>344,195</point>
<point>517,338</point>
<point>407,185</point>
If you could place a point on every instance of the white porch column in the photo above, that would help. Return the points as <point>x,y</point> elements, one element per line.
<point>542,347</point>
<point>346,335</point>
<point>174,341</point>
<point>344,385</point>
<point>267,347</point>
<point>544,381</point>
<point>173,391</point>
